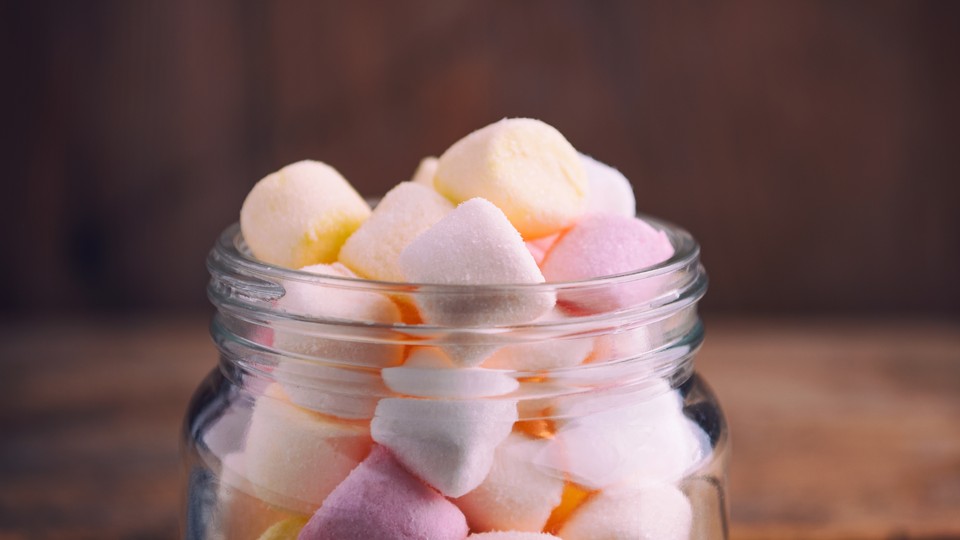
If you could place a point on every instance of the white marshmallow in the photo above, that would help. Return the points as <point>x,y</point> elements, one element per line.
<point>613,440</point>
<point>543,355</point>
<point>525,167</point>
<point>475,245</point>
<point>610,191</point>
<point>515,495</point>
<point>301,215</point>
<point>447,444</point>
<point>293,457</point>
<point>428,373</point>
<point>425,172</point>
<point>405,211</point>
<point>512,535</point>
<point>655,512</point>
<point>310,383</point>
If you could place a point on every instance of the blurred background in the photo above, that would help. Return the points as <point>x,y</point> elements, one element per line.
<point>811,147</point>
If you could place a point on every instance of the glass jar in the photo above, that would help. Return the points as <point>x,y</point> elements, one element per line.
<point>588,422</point>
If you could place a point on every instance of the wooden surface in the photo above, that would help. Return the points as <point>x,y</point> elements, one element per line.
<point>841,429</point>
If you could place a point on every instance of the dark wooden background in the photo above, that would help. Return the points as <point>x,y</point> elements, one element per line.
<point>812,147</point>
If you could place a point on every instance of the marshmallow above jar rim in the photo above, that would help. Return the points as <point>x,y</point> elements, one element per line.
<point>610,191</point>
<point>425,172</point>
<point>525,167</point>
<point>301,215</point>
<point>373,251</point>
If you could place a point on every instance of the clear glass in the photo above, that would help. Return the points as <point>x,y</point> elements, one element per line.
<point>606,417</point>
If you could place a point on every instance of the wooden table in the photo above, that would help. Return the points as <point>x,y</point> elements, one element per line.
<point>842,429</point>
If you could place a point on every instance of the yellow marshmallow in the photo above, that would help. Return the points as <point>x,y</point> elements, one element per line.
<point>301,215</point>
<point>405,211</point>
<point>425,171</point>
<point>523,166</point>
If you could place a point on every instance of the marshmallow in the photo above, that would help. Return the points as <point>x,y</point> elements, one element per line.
<point>515,495</point>
<point>243,516</point>
<point>428,373</point>
<point>543,355</point>
<point>294,457</point>
<point>540,246</point>
<point>425,172</point>
<point>610,191</point>
<point>655,512</point>
<point>525,167</point>
<point>621,440</point>
<point>301,215</point>
<point>338,391</point>
<point>448,444</point>
<point>405,211</point>
<point>475,245</point>
<point>573,497</point>
<point>606,245</point>
<point>288,529</point>
<point>380,500</point>
<point>511,535</point>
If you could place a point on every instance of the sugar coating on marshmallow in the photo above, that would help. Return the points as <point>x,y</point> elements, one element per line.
<point>540,246</point>
<point>425,172</point>
<point>654,512</point>
<point>606,245</point>
<point>525,167</point>
<point>301,215</point>
<point>515,495</point>
<point>610,191</point>
<point>294,458</point>
<point>543,355</point>
<point>624,440</point>
<point>511,535</point>
<point>407,210</point>
<point>429,373</point>
<point>475,245</point>
<point>380,500</point>
<point>448,444</point>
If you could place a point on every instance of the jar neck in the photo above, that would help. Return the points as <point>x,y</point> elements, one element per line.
<point>632,348</point>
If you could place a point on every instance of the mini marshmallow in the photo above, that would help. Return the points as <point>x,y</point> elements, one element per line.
<point>301,215</point>
<point>655,512</point>
<point>448,444</point>
<point>323,387</point>
<point>515,495</point>
<point>610,191</point>
<point>425,172</point>
<point>512,535</point>
<point>405,211</point>
<point>288,529</point>
<point>243,516</point>
<point>380,500</point>
<point>606,245</point>
<point>543,355</point>
<point>525,167</point>
<point>428,373</point>
<point>624,439</point>
<point>293,457</point>
<point>474,245</point>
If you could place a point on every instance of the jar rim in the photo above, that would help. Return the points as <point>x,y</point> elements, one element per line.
<point>232,250</point>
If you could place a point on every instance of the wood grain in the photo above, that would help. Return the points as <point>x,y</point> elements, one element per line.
<point>841,429</point>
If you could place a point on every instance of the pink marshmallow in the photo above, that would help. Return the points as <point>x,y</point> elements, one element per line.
<point>606,245</point>
<point>380,500</point>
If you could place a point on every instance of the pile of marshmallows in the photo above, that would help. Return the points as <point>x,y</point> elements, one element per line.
<point>511,203</point>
